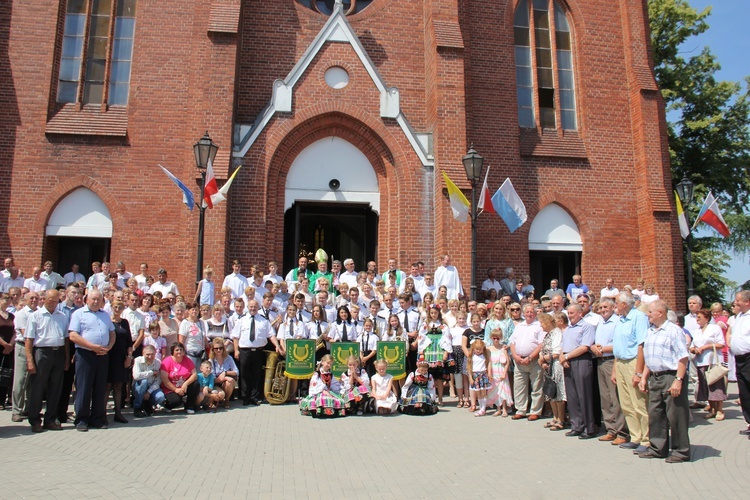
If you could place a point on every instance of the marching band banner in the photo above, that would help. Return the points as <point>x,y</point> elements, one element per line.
<point>395,354</point>
<point>300,358</point>
<point>340,351</point>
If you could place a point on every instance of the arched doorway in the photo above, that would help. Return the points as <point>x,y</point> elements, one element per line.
<point>331,201</point>
<point>79,231</point>
<point>555,248</point>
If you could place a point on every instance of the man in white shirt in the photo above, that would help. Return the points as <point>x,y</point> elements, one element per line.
<point>13,280</point>
<point>36,283</point>
<point>7,264</point>
<point>350,275</point>
<point>98,278</point>
<point>250,335</point>
<point>74,276</point>
<point>122,275</point>
<point>135,318</point>
<point>236,281</point>
<point>739,342</point>
<point>273,268</point>
<point>609,290</point>
<point>53,279</point>
<point>373,266</point>
<point>162,285</point>
<point>589,316</point>
<point>47,358</point>
<point>20,372</point>
<point>447,275</point>
<point>491,283</point>
<point>428,285</point>
<point>416,277</point>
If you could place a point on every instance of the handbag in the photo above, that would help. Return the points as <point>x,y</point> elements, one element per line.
<point>6,374</point>
<point>550,387</point>
<point>717,371</point>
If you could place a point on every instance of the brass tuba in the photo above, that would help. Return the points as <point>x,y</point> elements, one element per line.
<point>276,386</point>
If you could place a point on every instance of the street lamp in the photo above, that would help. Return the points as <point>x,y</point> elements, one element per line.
<point>205,151</point>
<point>473,166</point>
<point>685,190</point>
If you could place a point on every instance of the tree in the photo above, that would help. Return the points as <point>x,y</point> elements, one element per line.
<point>708,133</point>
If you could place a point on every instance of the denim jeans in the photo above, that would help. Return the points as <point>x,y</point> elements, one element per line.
<point>140,387</point>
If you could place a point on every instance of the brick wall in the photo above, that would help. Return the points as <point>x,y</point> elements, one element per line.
<point>453,64</point>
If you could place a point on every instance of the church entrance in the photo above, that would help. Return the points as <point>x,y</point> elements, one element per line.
<point>555,248</point>
<point>79,231</point>
<point>343,230</point>
<point>331,201</point>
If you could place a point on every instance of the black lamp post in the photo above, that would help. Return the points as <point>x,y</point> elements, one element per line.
<point>205,151</point>
<point>685,190</point>
<point>473,165</point>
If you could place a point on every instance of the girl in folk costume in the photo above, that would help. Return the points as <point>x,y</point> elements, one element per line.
<point>394,333</point>
<point>424,308</point>
<point>435,344</point>
<point>355,387</point>
<point>382,389</point>
<point>418,394</point>
<point>368,346</point>
<point>478,379</point>
<point>459,379</point>
<point>500,393</point>
<point>323,399</point>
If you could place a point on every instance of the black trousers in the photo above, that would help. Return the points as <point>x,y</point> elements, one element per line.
<point>50,364</point>
<point>668,417</point>
<point>579,389</point>
<point>251,373</point>
<point>67,388</point>
<point>91,388</point>
<point>742,368</point>
<point>174,400</point>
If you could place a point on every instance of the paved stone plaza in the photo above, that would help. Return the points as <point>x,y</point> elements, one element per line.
<point>273,452</point>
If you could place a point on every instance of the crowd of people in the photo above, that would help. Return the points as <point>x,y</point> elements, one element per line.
<point>619,361</point>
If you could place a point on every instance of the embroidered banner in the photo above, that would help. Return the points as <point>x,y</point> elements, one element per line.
<point>300,358</point>
<point>394,352</point>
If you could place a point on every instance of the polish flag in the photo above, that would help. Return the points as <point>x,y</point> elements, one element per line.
<point>485,200</point>
<point>211,188</point>
<point>711,215</point>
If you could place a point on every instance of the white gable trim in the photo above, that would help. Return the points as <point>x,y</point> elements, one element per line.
<point>337,29</point>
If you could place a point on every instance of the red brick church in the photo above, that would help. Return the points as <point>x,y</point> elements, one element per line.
<point>343,116</point>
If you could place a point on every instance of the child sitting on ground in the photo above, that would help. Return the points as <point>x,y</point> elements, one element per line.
<point>211,395</point>
<point>382,389</point>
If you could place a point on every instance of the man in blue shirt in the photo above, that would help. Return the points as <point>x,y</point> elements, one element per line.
<point>579,373</point>
<point>630,332</point>
<point>93,333</point>
<point>612,417</point>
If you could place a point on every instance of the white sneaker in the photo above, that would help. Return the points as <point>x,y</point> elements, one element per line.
<point>190,412</point>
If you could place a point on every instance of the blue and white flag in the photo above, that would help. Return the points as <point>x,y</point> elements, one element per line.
<point>187,195</point>
<point>509,206</point>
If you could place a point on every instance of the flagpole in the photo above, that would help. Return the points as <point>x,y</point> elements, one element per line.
<point>473,162</point>
<point>205,152</point>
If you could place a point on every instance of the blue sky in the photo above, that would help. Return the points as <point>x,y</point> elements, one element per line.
<point>728,41</point>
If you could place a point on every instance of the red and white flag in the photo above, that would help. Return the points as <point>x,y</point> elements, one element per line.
<point>485,199</point>
<point>711,215</point>
<point>211,188</point>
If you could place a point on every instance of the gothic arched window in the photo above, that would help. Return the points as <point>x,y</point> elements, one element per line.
<point>545,85</point>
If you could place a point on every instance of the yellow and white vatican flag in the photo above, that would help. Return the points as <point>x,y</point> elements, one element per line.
<point>221,194</point>
<point>459,203</point>
<point>681,218</point>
